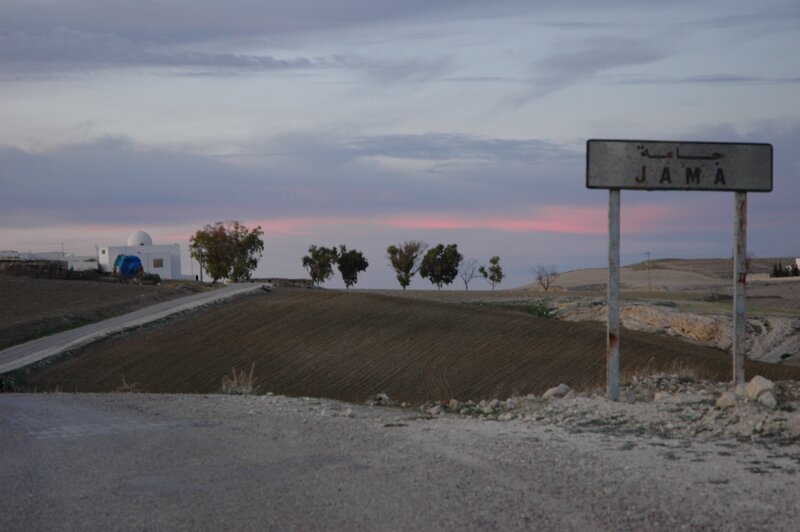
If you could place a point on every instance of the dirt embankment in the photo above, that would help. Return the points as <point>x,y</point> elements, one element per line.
<point>34,307</point>
<point>352,345</point>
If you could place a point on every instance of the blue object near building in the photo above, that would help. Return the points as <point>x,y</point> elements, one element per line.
<point>127,266</point>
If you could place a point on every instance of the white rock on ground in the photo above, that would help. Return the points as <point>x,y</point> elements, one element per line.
<point>557,392</point>
<point>435,410</point>
<point>757,386</point>
<point>768,399</point>
<point>727,400</point>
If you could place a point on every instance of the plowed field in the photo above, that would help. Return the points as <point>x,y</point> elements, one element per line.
<point>33,307</point>
<point>351,345</point>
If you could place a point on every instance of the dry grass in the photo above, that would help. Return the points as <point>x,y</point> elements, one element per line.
<point>240,382</point>
<point>126,387</point>
<point>677,368</point>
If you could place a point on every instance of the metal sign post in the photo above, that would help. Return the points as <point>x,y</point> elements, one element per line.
<point>612,329</point>
<point>739,286</point>
<point>667,165</point>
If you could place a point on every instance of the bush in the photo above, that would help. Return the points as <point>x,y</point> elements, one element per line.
<point>240,382</point>
<point>540,311</point>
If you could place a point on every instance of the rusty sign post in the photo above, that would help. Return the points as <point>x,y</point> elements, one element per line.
<point>668,165</point>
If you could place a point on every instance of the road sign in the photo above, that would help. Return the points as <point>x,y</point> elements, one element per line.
<point>668,165</point>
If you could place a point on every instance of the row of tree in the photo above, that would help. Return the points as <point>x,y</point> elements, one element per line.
<point>229,250</point>
<point>441,264</point>
<point>320,260</point>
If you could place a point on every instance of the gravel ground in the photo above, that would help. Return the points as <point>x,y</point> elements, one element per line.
<point>136,461</point>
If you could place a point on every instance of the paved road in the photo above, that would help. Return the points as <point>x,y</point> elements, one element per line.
<point>159,462</point>
<point>41,348</point>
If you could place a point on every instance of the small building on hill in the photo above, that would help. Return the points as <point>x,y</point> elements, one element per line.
<point>163,259</point>
<point>66,261</point>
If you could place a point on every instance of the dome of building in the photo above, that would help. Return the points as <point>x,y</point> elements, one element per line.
<point>139,238</point>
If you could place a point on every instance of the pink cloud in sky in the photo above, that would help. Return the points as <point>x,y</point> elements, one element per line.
<point>550,219</point>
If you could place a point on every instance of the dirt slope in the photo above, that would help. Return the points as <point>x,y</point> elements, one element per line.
<point>352,345</point>
<point>32,307</point>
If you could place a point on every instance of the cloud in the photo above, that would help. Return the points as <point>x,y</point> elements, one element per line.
<point>63,48</point>
<point>413,70</point>
<point>704,79</point>
<point>202,20</point>
<point>593,56</point>
<point>310,183</point>
<point>306,175</point>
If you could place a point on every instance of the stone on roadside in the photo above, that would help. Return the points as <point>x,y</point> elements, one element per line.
<point>757,386</point>
<point>380,399</point>
<point>464,411</point>
<point>454,404</point>
<point>662,396</point>
<point>435,410</point>
<point>767,399</point>
<point>726,400</point>
<point>508,416</point>
<point>557,392</point>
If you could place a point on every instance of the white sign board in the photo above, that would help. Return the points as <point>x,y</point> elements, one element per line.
<point>666,165</point>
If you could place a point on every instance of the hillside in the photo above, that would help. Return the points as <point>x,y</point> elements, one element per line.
<point>34,307</point>
<point>351,345</point>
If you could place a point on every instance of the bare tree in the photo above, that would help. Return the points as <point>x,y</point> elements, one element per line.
<point>545,275</point>
<point>468,271</point>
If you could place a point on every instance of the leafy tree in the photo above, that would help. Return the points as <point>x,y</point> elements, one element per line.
<point>227,250</point>
<point>494,274</point>
<point>468,270</point>
<point>405,259</point>
<point>319,263</point>
<point>440,264</point>
<point>545,275</point>
<point>350,263</point>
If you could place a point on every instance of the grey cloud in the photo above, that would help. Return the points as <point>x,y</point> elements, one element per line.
<point>324,174</point>
<point>200,20</point>
<point>70,48</point>
<point>413,70</point>
<point>438,147</point>
<point>306,175</point>
<point>706,79</point>
<point>592,57</point>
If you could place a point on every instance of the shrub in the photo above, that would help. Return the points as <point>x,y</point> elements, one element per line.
<point>240,382</point>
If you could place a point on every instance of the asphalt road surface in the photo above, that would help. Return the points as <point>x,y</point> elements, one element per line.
<point>23,354</point>
<point>159,462</point>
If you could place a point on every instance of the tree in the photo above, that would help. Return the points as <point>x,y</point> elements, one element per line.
<point>227,250</point>
<point>405,259</point>
<point>319,263</point>
<point>350,263</point>
<point>440,264</point>
<point>545,275</point>
<point>468,271</point>
<point>494,274</point>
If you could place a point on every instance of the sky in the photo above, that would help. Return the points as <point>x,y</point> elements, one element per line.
<point>368,123</point>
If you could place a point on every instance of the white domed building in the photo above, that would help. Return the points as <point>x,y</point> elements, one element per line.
<point>164,260</point>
